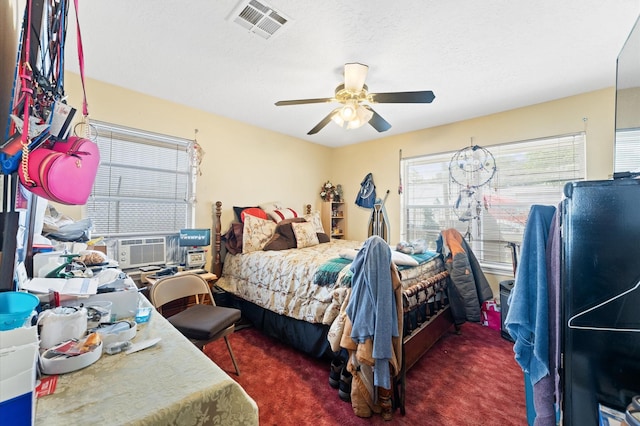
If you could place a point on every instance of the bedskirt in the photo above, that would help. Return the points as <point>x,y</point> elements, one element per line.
<point>422,301</point>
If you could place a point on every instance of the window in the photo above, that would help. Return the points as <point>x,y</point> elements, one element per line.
<point>145,183</point>
<point>627,152</point>
<point>527,173</point>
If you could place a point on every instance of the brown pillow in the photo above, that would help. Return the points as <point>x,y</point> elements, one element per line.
<point>323,238</point>
<point>278,242</point>
<point>283,237</point>
<point>284,228</point>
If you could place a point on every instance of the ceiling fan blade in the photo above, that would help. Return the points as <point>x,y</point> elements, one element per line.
<point>354,76</point>
<point>377,122</point>
<point>324,122</point>
<point>305,101</point>
<point>422,97</point>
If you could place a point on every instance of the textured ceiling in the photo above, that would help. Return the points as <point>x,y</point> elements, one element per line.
<point>479,57</point>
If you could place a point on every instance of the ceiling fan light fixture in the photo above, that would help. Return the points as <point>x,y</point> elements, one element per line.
<point>355,124</point>
<point>362,117</point>
<point>364,114</point>
<point>338,120</point>
<point>349,111</point>
<point>352,116</point>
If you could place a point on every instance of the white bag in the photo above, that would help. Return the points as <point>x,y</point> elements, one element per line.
<point>61,324</point>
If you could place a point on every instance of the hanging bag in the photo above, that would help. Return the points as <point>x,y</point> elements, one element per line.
<point>367,195</point>
<point>65,172</point>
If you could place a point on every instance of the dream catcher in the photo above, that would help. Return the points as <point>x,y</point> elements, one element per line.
<point>196,153</point>
<point>470,170</point>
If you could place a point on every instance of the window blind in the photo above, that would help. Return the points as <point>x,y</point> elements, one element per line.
<point>627,150</point>
<point>144,183</point>
<point>527,172</point>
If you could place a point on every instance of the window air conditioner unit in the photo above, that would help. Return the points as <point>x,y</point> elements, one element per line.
<point>136,252</point>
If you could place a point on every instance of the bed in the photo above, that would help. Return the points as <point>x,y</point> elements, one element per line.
<point>295,294</point>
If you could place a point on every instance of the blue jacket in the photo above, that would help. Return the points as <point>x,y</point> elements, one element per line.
<point>372,309</point>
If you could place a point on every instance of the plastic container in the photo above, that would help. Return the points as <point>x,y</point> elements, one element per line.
<point>143,314</point>
<point>99,312</point>
<point>15,308</point>
<point>632,415</point>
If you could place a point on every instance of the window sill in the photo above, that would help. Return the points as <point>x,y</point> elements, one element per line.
<point>497,269</point>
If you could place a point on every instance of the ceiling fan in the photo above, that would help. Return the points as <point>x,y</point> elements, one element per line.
<point>354,97</point>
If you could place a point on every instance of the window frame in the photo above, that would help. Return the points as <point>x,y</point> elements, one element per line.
<point>429,217</point>
<point>176,149</point>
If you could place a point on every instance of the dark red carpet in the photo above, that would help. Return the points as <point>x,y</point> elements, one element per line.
<point>466,379</point>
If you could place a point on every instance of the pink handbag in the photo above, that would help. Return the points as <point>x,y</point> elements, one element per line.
<point>64,173</point>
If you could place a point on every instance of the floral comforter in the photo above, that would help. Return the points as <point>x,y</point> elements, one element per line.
<point>283,281</point>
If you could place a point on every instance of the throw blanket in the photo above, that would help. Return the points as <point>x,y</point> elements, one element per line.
<point>328,272</point>
<point>420,258</point>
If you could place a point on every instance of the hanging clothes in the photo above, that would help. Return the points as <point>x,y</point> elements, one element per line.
<point>371,335</point>
<point>367,195</point>
<point>470,287</point>
<point>528,320</point>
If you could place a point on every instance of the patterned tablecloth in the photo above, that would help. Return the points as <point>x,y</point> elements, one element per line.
<point>170,383</point>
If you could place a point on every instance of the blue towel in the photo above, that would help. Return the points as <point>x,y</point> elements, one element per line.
<point>528,318</point>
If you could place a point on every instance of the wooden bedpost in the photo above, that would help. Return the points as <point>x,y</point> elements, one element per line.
<point>216,264</point>
<point>308,209</point>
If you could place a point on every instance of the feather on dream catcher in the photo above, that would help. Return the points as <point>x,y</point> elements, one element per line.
<point>471,169</point>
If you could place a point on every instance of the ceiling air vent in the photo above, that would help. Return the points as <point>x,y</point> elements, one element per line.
<point>259,18</point>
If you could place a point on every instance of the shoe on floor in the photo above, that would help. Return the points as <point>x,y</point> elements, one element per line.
<point>334,373</point>
<point>344,388</point>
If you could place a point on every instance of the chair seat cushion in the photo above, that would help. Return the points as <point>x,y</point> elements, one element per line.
<point>202,322</point>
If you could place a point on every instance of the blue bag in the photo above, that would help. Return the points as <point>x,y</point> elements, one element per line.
<point>367,195</point>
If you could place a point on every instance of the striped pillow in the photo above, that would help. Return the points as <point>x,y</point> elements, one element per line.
<point>280,214</point>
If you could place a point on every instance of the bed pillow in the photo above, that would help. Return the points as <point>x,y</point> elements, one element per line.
<point>403,259</point>
<point>280,214</point>
<point>322,237</point>
<point>255,233</point>
<point>271,205</point>
<point>316,220</point>
<point>348,253</point>
<point>277,242</point>
<point>238,211</point>
<point>399,258</point>
<point>283,237</point>
<point>305,234</point>
<point>253,211</point>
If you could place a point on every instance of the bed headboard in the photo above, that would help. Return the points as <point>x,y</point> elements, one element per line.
<point>216,261</point>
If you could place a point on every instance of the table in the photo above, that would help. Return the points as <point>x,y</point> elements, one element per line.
<point>170,383</point>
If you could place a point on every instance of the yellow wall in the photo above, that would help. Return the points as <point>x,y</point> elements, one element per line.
<point>242,165</point>
<point>245,165</point>
<point>592,112</point>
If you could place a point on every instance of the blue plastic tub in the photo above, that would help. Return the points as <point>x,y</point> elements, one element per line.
<point>15,308</point>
